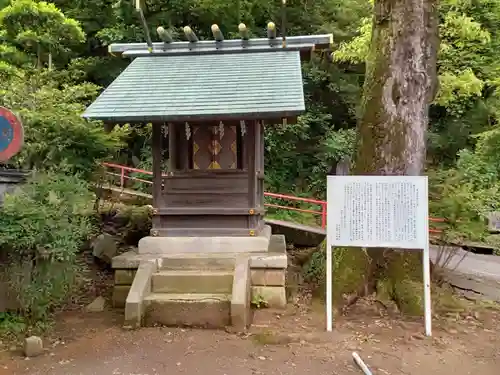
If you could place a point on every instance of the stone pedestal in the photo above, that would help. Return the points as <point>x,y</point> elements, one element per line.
<point>267,266</point>
<point>206,245</point>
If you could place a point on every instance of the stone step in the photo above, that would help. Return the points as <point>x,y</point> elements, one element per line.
<point>192,281</point>
<point>189,310</point>
<point>198,262</point>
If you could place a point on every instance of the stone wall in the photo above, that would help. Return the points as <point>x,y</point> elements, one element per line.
<point>9,180</point>
<point>123,282</point>
<point>269,284</point>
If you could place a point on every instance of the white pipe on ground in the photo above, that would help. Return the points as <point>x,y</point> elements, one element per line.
<point>361,364</point>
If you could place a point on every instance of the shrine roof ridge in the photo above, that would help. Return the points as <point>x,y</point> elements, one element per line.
<point>294,43</point>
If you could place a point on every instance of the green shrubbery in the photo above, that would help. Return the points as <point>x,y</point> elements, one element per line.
<point>44,225</point>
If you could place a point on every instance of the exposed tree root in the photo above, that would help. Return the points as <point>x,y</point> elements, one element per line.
<point>392,270</point>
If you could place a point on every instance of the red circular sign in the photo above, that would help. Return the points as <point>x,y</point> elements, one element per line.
<point>11,134</point>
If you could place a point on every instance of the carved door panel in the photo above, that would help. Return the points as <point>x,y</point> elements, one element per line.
<point>215,147</point>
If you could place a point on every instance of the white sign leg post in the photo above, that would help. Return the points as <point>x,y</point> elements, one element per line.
<point>329,260</point>
<point>329,286</point>
<point>427,291</point>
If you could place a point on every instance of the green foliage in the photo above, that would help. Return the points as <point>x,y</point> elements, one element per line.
<point>259,302</point>
<point>56,137</point>
<point>39,28</point>
<point>322,136</point>
<point>44,225</point>
<point>11,325</point>
<point>454,198</point>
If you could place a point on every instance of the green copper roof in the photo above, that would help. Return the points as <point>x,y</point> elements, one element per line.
<point>212,86</point>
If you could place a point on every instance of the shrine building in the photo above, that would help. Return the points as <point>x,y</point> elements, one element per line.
<point>209,103</point>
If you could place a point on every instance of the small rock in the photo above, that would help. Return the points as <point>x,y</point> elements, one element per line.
<point>452,331</point>
<point>33,346</point>
<point>418,336</point>
<point>97,305</point>
<point>104,248</point>
<point>262,358</point>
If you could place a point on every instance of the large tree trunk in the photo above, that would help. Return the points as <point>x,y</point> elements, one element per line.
<point>400,83</point>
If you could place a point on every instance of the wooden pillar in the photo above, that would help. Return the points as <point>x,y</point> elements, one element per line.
<point>182,147</point>
<point>244,145</point>
<point>157,161</point>
<point>172,148</point>
<point>261,166</point>
<point>252,164</point>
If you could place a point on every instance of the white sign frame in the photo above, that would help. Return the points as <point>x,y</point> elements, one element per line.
<point>336,205</point>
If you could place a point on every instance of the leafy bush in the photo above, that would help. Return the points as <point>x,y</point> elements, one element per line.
<point>56,137</point>
<point>44,224</point>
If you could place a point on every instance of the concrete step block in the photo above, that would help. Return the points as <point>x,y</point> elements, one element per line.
<point>197,262</point>
<point>189,310</point>
<point>190,281</point>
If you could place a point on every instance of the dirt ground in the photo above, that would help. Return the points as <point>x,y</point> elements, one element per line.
<point>289,342</point>
<point>280,342</point>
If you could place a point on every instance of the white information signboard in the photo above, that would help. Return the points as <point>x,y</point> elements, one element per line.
<point>378,211</point>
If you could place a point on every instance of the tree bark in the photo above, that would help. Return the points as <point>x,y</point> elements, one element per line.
<point>400,83</point>
<point>399,86</point>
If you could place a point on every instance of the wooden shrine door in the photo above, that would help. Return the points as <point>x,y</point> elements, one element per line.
<point>215,147</point>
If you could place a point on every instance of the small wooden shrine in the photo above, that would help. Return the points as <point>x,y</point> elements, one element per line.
<point>209,102</point>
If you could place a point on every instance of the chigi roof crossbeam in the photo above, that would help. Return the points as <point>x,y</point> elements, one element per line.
<point>220,45</point>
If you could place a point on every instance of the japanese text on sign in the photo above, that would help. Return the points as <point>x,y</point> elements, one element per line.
<point>378,211</point>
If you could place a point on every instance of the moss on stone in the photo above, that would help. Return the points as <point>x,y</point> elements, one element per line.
<point>408,295</point>
<point>444,301</point>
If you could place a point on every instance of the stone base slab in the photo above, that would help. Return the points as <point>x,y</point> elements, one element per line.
<point>191,310</point>
<point>268,277</point>
<point>203,282</point>
<point>131,260</point>
<point>169,245</point>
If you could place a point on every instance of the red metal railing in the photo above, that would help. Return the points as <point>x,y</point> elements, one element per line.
<point>321,211</point>
<point>124,170</point>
